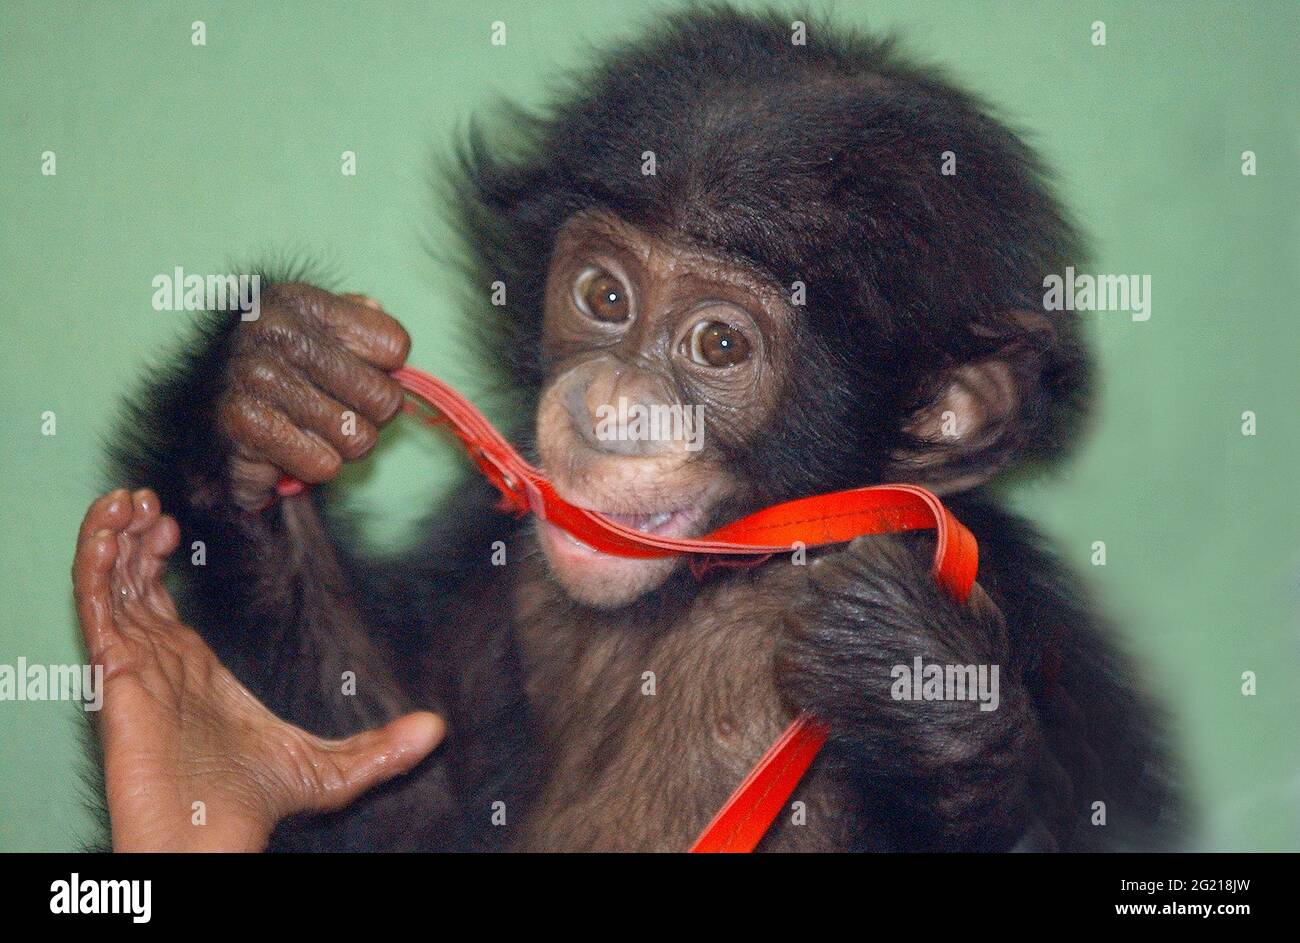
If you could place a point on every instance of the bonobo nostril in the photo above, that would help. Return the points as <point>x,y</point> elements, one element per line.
<point>619,409</point>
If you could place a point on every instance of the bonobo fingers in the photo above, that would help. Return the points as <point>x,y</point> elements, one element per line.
<point>308,387</point>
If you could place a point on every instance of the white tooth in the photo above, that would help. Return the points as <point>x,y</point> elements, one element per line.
<point>655,521</point>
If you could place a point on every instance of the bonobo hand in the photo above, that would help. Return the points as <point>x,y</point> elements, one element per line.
<point>871,607</point>
<point>192,761</point>
<point>307,387</point>
<point>952,771</point>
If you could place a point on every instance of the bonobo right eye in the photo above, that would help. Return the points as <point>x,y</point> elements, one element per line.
<point>602,295</point>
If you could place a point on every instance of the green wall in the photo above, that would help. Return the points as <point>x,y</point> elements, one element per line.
<point>209,157</point>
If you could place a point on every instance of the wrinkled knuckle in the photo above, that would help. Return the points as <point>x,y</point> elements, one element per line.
<point>322,464</point>
<point>289,340</point>
<point>390,401</point>
<point>360,441</point>
<point>309,302</point>
<point>263,375</point>
<point>239,416</point>
<point>398,342</point>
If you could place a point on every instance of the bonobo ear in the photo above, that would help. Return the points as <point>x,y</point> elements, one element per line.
<point>978,414</point>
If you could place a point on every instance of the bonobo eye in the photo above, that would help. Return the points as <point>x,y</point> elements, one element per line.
<point>602,296</point>
<point>717,344</point>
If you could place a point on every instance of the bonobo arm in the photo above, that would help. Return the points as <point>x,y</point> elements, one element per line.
<point>937,774</point>
<point>300,389</point>
<point>1070,730</point>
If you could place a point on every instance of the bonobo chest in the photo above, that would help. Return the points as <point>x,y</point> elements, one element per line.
<point>646,720</point>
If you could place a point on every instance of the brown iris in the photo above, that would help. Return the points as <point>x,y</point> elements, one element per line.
<point>602,296</point>
<point>717,344</point>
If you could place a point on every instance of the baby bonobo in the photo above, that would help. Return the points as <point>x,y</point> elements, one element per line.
<point>718,224</point>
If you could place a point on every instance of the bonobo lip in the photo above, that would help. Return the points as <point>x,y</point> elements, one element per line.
<point>680,523</point>
<point>659,521</point>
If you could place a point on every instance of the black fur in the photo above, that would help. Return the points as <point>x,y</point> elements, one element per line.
<point>818,164</point>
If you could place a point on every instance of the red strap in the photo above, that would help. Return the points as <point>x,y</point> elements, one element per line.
<point>812,522</point>
<point>748,813</point>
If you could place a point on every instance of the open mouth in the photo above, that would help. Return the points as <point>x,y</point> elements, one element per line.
<point>678,523</point>
<point>661,522</point>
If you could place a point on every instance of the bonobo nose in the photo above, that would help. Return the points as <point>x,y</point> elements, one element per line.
<point>621,409</point>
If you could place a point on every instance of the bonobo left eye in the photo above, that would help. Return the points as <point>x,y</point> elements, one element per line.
<point>601,295</point>
<point>717,344</point>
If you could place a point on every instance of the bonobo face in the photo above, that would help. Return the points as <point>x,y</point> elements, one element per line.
<point>661,360</point>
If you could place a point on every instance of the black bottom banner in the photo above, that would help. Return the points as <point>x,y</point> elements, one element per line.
<point>941,893</point>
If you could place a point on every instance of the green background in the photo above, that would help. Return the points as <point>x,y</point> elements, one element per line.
<point>208,157</point>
